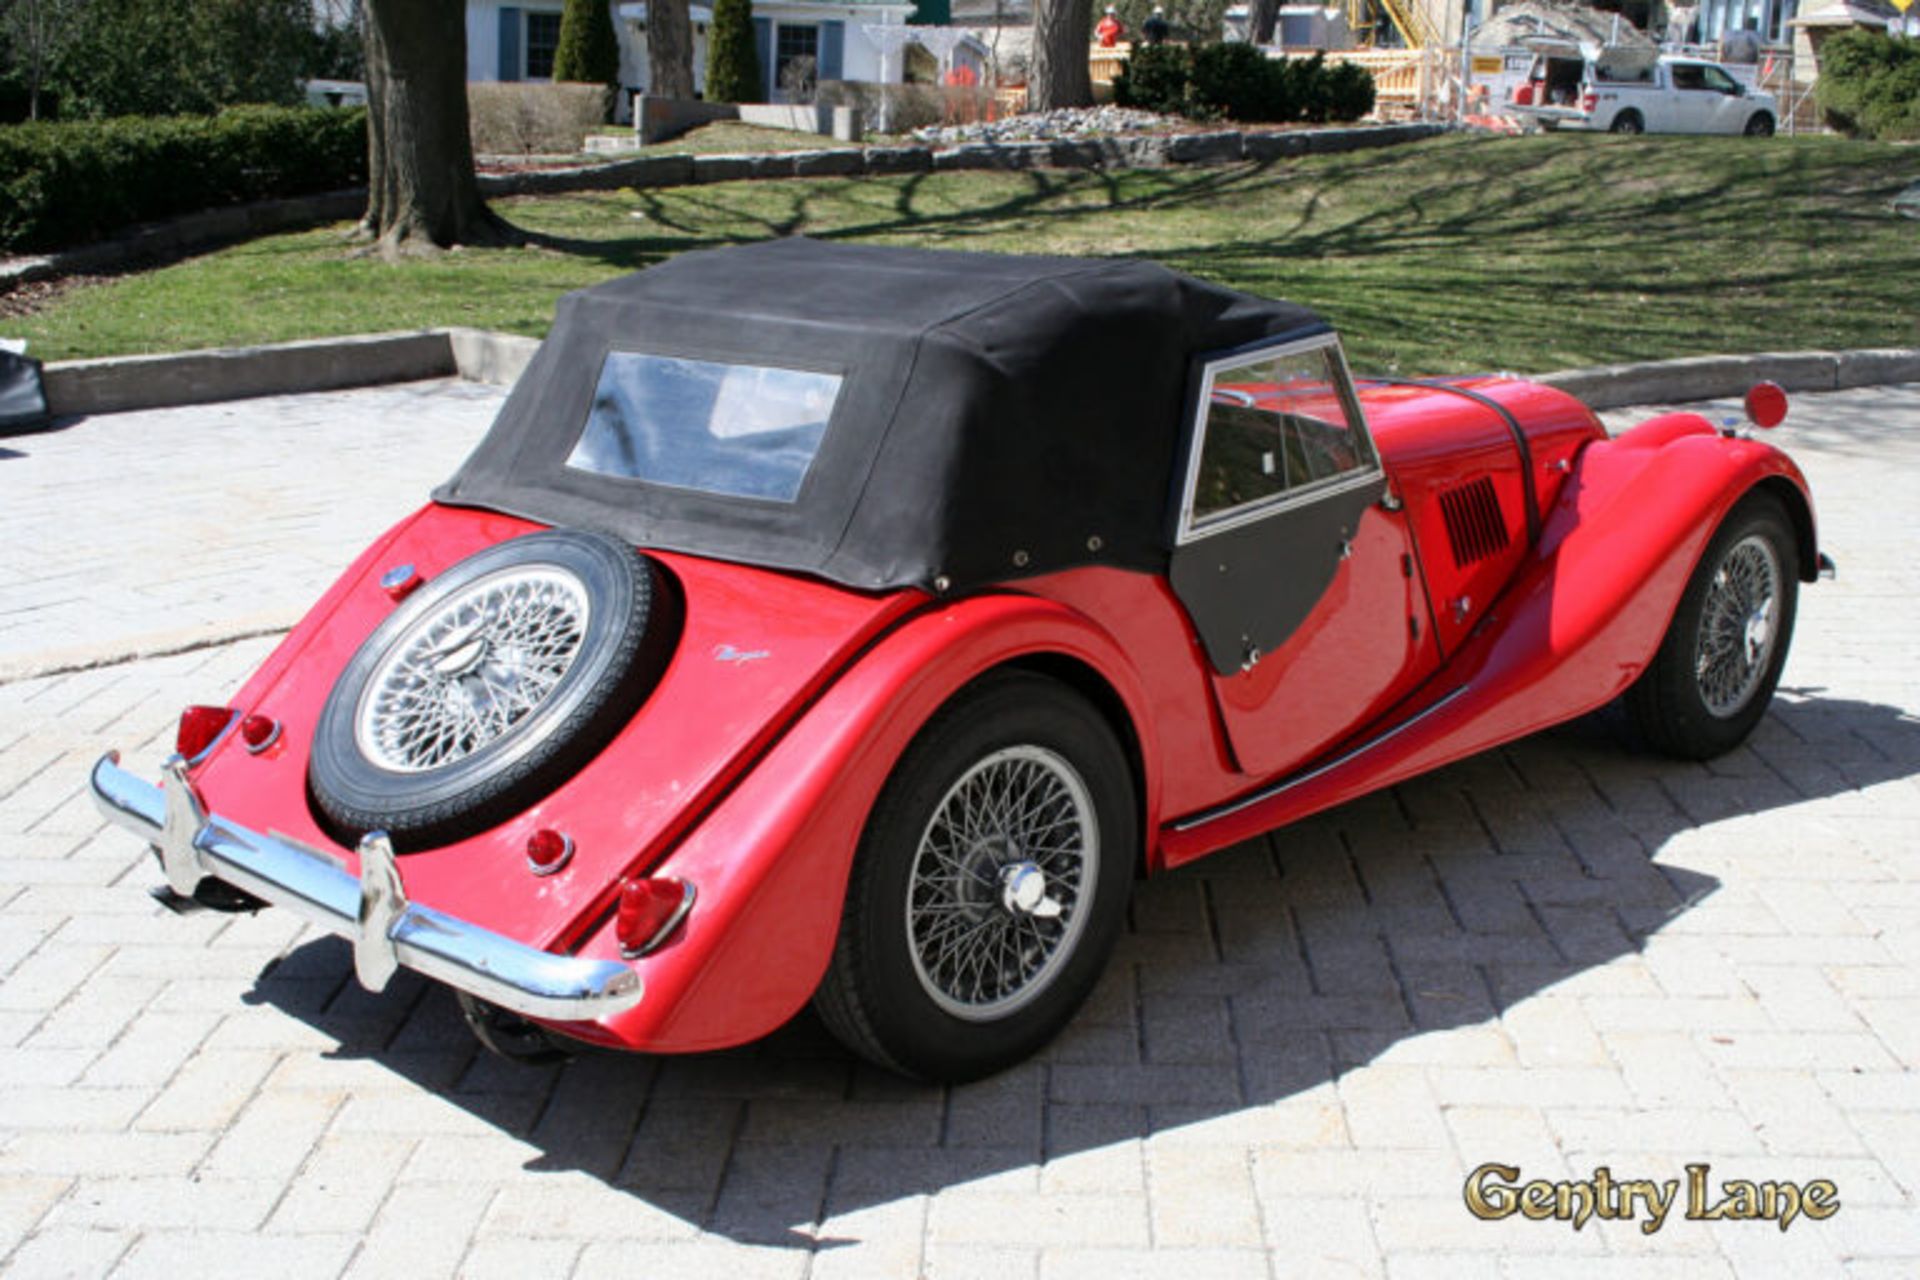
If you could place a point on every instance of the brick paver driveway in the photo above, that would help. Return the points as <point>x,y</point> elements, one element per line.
<point>1557,956</point>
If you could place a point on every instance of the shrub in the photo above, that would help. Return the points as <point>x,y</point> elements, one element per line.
<point>517,118</point>
<point>1239,82</point>
<point>168,57</point>
<point>589,51</point>
<point>1349,91</point>
<point>1155,78</point>
<point>1869,85</point>
<point>63,184</point>
<point>733,64</point>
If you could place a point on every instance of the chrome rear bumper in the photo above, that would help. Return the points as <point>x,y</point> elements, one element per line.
<point>371,911</point>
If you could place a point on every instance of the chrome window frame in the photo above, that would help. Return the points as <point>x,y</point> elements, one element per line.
<point>1193,530</point>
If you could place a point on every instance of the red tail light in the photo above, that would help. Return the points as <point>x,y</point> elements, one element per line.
<point>259,732</point>
<point>650,910</point>
<point>200,728</point>
<point>548,851</point>
<point>1523,95</point>
<point>1589,101</point>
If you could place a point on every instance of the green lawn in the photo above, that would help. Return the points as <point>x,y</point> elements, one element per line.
<point>1461,253</point>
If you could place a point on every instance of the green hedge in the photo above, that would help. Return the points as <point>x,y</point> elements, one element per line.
<point>1869,85</point>
<point>1239,82</point>
<point>64,184</point>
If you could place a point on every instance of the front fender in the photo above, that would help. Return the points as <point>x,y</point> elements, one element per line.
<point>1579,623</point>
<point>770,863</point>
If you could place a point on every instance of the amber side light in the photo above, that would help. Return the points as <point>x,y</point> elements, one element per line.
<point>199,728</point>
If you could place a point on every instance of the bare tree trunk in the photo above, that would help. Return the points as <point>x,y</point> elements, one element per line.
<point>421,192</point>
<point>669,49</point>
<point>1260,19</point>
<point>1061,37</point>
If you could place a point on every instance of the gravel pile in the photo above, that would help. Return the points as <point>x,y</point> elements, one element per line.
<point>1046,126</point>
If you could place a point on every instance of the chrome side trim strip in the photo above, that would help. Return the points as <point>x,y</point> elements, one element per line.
<point>371,911</point>
<point>1285,785</point>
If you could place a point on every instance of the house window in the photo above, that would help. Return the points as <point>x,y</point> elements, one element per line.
<point>543,38</point>
<point>793,44</point>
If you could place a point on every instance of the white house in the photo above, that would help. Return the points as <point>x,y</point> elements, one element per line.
<point>517,41</point>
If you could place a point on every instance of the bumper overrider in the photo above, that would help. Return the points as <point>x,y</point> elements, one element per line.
<point>371,911</point>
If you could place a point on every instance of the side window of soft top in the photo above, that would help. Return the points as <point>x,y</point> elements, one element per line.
<point>1274,425</point>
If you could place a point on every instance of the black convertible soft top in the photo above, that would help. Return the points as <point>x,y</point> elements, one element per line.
<point>998,416</point>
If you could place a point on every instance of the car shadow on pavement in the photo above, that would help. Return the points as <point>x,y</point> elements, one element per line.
<point>1245,986</point>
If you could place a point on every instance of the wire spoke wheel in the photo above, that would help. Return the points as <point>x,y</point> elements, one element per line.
<point>1004,866</point>
<point>1739,626</point>
<point>469,672</point>
<point>491,685</point>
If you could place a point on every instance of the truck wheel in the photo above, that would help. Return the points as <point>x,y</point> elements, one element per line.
<point>1760,126</point>
<point>1628,122</point>
<point>1716,670</point>
<point>989,886</point>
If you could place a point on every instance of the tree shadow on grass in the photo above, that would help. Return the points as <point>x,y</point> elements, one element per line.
<point>1591,249</point>
<point>1243,982</point>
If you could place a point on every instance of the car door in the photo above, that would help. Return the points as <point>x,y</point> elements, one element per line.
<point>1692,102</point>
<point>1296,568</point>
<point>1726,112</point>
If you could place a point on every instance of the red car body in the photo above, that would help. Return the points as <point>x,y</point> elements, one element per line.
<point>753,766</point>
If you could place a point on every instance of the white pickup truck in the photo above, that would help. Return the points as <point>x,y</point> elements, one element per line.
<point>1635,91</point>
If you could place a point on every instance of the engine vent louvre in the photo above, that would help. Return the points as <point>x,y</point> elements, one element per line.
<point>1475,526</point>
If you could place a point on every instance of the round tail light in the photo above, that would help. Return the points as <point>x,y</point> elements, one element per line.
<point>259,732</point>
<point>548,851</point>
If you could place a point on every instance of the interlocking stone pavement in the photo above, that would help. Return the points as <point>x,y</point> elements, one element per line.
<point>1558,955</point>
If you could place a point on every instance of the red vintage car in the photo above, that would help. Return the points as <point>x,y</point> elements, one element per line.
<point>853,625</point>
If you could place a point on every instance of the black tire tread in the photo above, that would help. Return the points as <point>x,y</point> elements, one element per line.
<point>842,1000</point>
<point>1663,703</point>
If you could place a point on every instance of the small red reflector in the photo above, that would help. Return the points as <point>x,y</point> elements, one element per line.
<point>199,728</point>
<point>259,732</point>
<point>649,911</point>
<point>1766,404</point>
<point>548,851</point>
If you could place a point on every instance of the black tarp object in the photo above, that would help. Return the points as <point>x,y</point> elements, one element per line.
<point>23,403</point>
<point>1000,416</point>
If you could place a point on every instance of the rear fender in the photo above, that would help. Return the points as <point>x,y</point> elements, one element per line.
<point>770,863</point>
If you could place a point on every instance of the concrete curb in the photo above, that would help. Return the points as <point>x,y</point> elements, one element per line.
<point>160,644</point>
<point>118,383</point>
<point>1616,386</point>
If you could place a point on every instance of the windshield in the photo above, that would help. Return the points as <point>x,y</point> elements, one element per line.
<point>743,431</point>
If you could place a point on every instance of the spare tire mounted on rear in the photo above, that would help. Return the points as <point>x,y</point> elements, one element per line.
<point>490,686</point>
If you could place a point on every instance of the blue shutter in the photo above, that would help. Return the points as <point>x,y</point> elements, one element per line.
<point>763,45</point>
<point>509,44</point>
<point>833,38</point>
